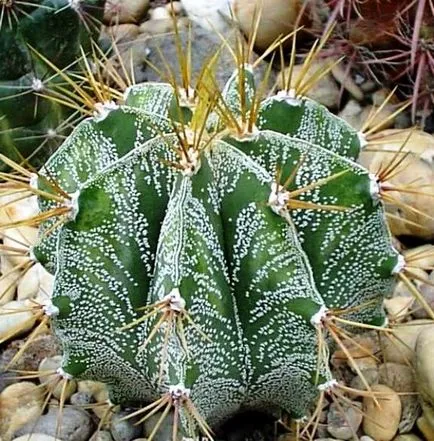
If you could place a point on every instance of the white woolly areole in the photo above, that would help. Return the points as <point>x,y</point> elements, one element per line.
<point>289,96</point>
<point>278,199</point>
<point>73,204</point>
<point>32,256</point>
<point>400,264</point>
<point>374,187</point>
<point>190,163</point>
<point>61,372</point>
<point>179,391</point>
<point>248,135</point>
<point>50,310</point>
<point>328,385</point>
<point>33,180</point>
<point>74,4</point>
<point>302,419</point>
<point>51,133</point>
<point>103,109</point>
<point>187,97</point>
<point>176,302</point>
<point>37,84</point>
<point>318,317</point>
<point>362,139</point>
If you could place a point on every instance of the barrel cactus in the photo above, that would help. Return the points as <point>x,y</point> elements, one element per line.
<point>57,30</point>
<point>207,246</point>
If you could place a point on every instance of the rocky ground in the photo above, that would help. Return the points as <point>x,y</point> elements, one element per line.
<point>397,364</point>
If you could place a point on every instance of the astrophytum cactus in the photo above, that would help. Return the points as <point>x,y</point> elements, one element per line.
<point>208,245</point>
<point>31,31</point>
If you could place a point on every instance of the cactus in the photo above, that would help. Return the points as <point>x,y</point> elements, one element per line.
<point>57,30</point>
<point>207,246</point>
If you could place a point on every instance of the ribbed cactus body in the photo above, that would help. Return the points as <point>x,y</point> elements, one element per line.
<point>55,30</point>
<point>213,238</point>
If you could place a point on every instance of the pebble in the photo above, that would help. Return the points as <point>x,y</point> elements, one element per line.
<point>425,427</point>
<point>119,33</point>
<point>362,354</point>
<point>21,238</point>
<point>99,392</point>
<point>157,27</point>
<point>8,281</point>
<point>369,375</point>
<point>15,323</point>
<point>75,424</point>
<point>211,14</point>
<point>343,421</point>
<point>159,13</point>
<point>351,114</point>
<point>175,6</point>
<point>37,437</point>
<point>125,430</point>
<point>54,381</point>
<point>340,74</point>
<point>20,404</point>
<point>405,437</point>
<point>398,307</point>
<point>427,292</point>
<point>400,378</point>
<point>81,399</point>
<point>44,345</point>
<point>324,91</point>
<point>164,433</point>
<point>101,435</point>
<point>424,364</point>
<point>28,285</point>
<point>399,347</point>
<point>277,18</point>
<point>381,423</point>
<point>125,11</point>
<point>23,209</point>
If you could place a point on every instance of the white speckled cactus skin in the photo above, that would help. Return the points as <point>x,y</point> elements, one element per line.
<point>199,260</point>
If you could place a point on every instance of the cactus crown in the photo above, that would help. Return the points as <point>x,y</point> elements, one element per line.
<point>205,244</point>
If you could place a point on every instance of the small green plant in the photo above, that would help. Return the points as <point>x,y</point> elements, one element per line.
<point>58,30</point>
<point>208,245</point>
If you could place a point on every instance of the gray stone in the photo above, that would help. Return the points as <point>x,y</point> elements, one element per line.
<point>81,398</point>
<point>101,435</point>
<point>204,43</point>
<point>6,379</point>
<point>125,430</point>
<point>76,425</point>
<point>344,420</point>
<point>164,433</point>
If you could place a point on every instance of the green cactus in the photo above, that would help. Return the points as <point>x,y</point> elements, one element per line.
<point>206,244</point>
<point>57,30</point>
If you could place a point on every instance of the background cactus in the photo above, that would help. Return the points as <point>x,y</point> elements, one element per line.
<point>55,29</point>
<point>207,244</point>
